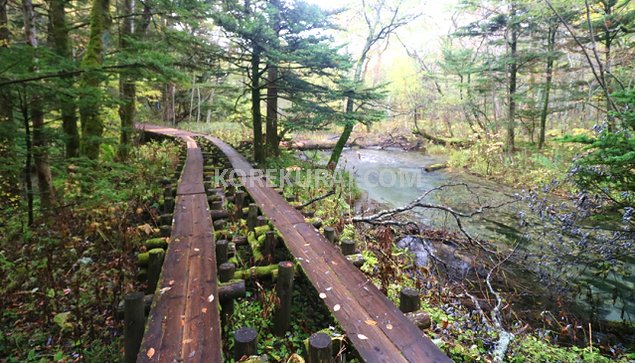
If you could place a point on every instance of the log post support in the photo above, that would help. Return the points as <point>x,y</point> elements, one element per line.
<point>134,324</point>
<point>347,246</point>
<point>166,219</point>
<point>246,342</point>
<point>165,230</point>
<point>239,203</point>
<point>270,245</point>
<point>329,233</point>
<point>252,216</point>
<point>284,291</point>
<point>320,348</point>
<point>226,271</point>
<point>409,300</point>
<point>155,262</point>
<point>221,251</point>
<point>168,204</point>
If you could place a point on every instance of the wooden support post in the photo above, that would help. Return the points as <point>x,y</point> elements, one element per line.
<point>155,262</point>
<point>284,291</point>
<point>270,245</point>
<point>409,300</point>
<point>226,271</point>
<point>166,219</point>
<point>221,251</point>
<point>239,202</point>
<point>216,205</point>
<point>252,215</point>
<point>218,214</point>
<point>167,192</point>
<point>168,204</point>
<point>261,220</point>
<point>219,224</point>
<point>246,342</point>
<point>329,233</point>
<point>347,246</point>
<point>320,348</point>
<point>165,231</point>
<point>134,325</point>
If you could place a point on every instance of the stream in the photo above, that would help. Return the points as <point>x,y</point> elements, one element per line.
<point>395,178</point>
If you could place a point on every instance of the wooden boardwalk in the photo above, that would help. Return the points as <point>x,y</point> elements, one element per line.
<point>184,324</point>
<point>377,329</point>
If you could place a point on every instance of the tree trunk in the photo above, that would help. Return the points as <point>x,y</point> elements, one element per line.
<point>513,70</point>
<point>89,110</point>
<point>169,115</point>
<point>272,112</point>
<point>67,103</point>
<point>551,40</point>
<point>259,155</point>
<point>608,39</point>
<point>348,127</point>
<point>40,145</point>
<point>127,87</point>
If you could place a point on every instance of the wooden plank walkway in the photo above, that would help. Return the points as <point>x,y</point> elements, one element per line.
<point>184,324</point>
<point>377,329</point>
<point>375,326</point>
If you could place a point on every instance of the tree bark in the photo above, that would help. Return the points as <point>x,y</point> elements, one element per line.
<point>551,41</point>
<point>40,144</point>
<point>259,155</point>
<point>127,87</point>
<point>272,111</point>
<point>89,110</point>
<point>513,71</point>
<point>68,110</point>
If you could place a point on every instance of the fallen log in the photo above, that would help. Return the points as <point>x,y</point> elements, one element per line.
<point>433,167</point>
<point>442,141</point>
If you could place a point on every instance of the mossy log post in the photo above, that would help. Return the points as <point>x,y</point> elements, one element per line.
<point>347,246</point>
<point>252,216</point>
<point>259,272</point>
<point>168,191</point>
<point>320,348</point>
<point>255,245</point>
<point>226,271</point>
<point>284,292</point>
<point>155,262</point>
<point>134,325</point>
<point>221,251</point>
<point>409,300</point>
<point>153,243</point>
<point>329,233</point>
<point>246,342</point>
<point>434,167</point>
<point>216,205</point>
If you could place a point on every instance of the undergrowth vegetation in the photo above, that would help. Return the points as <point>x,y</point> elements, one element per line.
<point>67,272</point>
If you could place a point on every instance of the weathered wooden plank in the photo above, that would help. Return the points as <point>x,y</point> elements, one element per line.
<point>184,323</point>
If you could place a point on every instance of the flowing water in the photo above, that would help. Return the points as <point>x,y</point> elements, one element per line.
<point>395,178</point>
